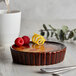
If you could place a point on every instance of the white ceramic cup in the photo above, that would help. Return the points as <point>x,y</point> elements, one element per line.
<point>9,27</point>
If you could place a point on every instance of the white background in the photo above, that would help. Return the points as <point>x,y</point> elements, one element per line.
<point>34,14</point>
<point>37,12</point>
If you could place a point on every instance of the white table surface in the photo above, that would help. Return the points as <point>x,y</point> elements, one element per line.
<point>7,68</point>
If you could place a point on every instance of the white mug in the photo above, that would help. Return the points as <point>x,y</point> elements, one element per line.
<point>9,27</point>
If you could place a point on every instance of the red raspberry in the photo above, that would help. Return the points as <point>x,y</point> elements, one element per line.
<point>27,46</point>
<point>19,41</point>
<point>26,39</point>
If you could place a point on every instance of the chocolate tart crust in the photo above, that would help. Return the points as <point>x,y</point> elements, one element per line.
<point>39,58</point>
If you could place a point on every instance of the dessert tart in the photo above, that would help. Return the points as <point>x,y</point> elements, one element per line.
<point>33,54</point>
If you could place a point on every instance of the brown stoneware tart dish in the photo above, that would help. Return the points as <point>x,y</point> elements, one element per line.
<point>33,54</point>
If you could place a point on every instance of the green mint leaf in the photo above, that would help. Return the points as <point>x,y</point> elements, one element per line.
<point>56,36</point>
<point>71,34</point>
<point>52,34</point>
<point>44,26</point>
<point>74,30</point>
<point>61,35</point>
<point>48,34</point>
<point>74,38</point>
<point>52,28</point>
<point>65,29</point>
<point>42,32</point>
<point>58,31</point>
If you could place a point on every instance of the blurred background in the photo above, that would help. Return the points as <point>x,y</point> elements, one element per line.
<point>37,12</point>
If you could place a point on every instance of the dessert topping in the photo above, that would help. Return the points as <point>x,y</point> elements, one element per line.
<point>19,41</point>
<point>38,39</point>
<point>26,39</point>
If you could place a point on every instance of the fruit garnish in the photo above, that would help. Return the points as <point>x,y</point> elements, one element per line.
<point>26,39</point>
<point>19,41</point>
<point>27,46</point>
<point>38,39</point>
